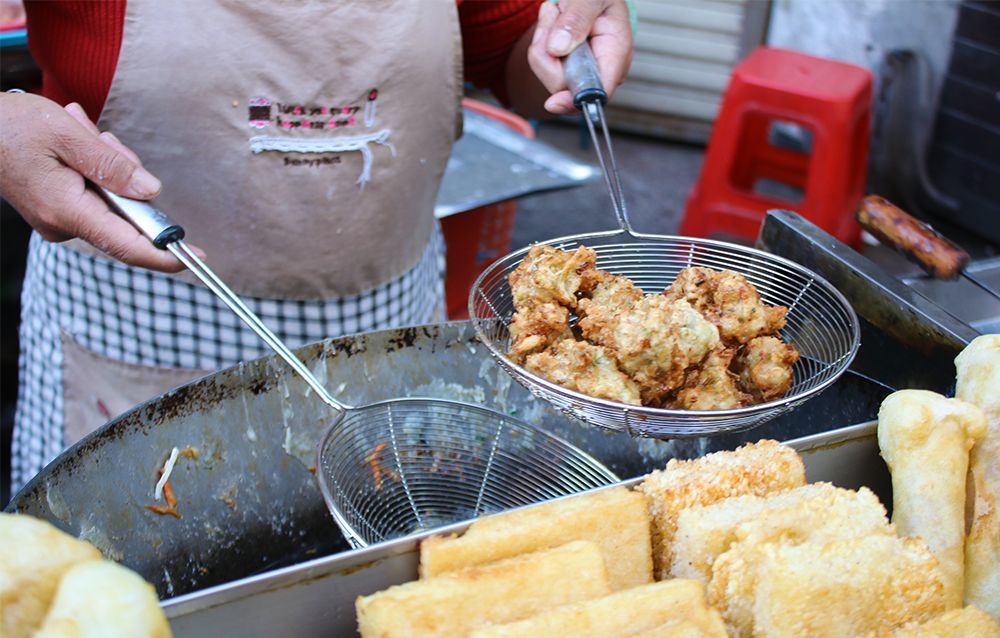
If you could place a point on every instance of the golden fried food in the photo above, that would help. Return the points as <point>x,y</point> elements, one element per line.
<point>706,343</point>
<point>849,587</point>
<point>755,468</point>
<point>619,615</point>
<point>34,555</point>
<point>535,328</point>
<point>712,628</point>
<point>711,385</point>
<point>550,275</point>
<point>616,519</point>
<point>979,383</point>
<point>101,599</point>
<point>585,368</point>
<point>455,603</point>
<point>764,367</point>
<point>729,301</point>
<point>925,440</point>
<point>655,341</point>
<point>968,622</point>
<point>811,512</point>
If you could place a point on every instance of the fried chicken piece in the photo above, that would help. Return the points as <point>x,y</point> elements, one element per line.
<point>535,328</point>
<point>655,341</point>
<point>711,386</point>
<point>550,275</point>
<point>586,368</point>
<point>764,366</point>
<point>729,301</point>
<point>850,587</point>
<point>755,468</point>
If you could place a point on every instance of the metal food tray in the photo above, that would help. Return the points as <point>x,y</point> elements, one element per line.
<point>316,598</point>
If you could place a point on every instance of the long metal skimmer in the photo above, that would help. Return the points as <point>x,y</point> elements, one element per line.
<point>399,466</point>
<point>590,97</point>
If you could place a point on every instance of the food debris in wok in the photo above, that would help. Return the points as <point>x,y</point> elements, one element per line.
<point>707,342</point>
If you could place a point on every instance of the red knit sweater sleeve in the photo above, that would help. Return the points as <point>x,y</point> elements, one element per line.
<point>490,28</point>
<point>76,44</point>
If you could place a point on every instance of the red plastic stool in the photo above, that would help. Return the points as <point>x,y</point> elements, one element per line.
<point>476,238</point>
<point>822,109</point>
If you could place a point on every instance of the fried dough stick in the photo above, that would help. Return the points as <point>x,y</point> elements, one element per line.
<point>979,383</point>
<point>925,440</point>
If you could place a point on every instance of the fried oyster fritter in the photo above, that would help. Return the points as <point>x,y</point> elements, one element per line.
<point>655,341</point>
<point>703,344</point>
<point>764,366</point>
<point>535,329</point>
<point>550,275</point>
<point>711,386</point>
<point>585,368</point>
<point>729,301</point>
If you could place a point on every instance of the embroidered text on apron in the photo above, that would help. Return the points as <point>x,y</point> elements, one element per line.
<point>245,181</point>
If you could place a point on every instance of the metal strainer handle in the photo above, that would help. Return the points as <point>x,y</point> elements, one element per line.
<point>167,235</point>
<point>584,82</point>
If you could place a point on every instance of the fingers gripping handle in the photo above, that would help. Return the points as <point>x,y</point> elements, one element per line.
<point>150,221</point>
<point>582,77</point>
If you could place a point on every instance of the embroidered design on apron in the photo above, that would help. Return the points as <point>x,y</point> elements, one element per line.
<point>264,113</point>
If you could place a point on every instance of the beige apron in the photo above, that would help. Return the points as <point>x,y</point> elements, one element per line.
<point>301,144</point>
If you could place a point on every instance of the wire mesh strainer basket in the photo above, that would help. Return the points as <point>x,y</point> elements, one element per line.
<point>400,467</point>
<point>820,323</point>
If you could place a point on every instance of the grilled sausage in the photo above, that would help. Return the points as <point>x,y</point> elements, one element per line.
<point>938,257</point>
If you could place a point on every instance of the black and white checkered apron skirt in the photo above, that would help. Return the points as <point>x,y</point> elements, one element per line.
<point>147,318</point>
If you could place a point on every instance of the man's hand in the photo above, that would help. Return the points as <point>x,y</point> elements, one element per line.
<point>564,26</point>
<point>46,152</point>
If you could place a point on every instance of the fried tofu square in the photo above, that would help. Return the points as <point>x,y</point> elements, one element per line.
<point>968,622</point>
<point>713,627</point>
<point>849,587</point>
<point>622,614</point>
<point>818,510</point>
<point>755,468</point>
<point>616,519</point>
<point>455,603</point>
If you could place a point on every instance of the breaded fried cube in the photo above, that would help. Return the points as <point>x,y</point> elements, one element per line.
<point>584,368</point>
<point>729,301</point>
<point>624,613</point>
<point>755,468</point>
<point>850,587</point>
<point>549,275</point>
<point>616,519</point>
<point>535,328</point>
<point>34,556</point>
<point>811,512</point>
<point>764,367</point>
<point>713,627</point>
<point>455,603</point>
<point>968,622</point>
<point>655,341</point>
